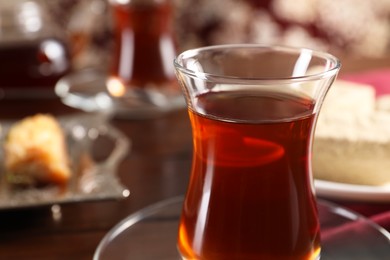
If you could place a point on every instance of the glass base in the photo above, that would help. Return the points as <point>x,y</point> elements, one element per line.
<point>86,90</point>
<point>151,233</point>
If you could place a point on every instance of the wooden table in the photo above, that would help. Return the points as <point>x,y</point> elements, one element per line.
<point>156,168</point>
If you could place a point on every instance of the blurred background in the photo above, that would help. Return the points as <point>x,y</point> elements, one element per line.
<point>42,41</point>
<point>343,27</point>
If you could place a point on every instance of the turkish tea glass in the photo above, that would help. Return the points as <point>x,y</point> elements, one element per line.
<point>142,80</point>
<point>253,111</point>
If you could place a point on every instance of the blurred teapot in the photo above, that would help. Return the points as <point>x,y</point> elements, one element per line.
<point>33,50</point>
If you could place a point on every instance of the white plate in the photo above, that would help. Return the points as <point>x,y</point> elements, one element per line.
<point>91,140</point>
<point>335,190</point>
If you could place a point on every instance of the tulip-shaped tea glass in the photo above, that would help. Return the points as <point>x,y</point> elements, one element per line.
<point>253,111</point>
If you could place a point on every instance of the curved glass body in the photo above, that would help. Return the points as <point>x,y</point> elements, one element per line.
<point>253,111</point>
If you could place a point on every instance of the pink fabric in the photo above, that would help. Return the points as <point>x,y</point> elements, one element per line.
<point>377,212</point>
<point>380,79</point>
<point>382,219</point>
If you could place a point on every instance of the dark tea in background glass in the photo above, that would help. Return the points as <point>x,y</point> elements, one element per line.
<point>34,53</point>
<point>252,110</point>
<point>34,64</point>
<point>141,81</point>
<point>144,44</point>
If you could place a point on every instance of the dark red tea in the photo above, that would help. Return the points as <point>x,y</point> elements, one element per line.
<point>249,195</point>
<point>39,63</point>
<point>144,44</point>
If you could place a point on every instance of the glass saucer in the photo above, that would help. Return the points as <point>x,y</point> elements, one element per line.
<point>151,233</point>
<point>86,90</point>
<point>95,149</point>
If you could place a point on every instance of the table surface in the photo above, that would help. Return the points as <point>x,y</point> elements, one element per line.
<point>156,168</point>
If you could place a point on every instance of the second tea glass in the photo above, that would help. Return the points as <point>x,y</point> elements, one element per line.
<point>253,111</point>
<point>142,78</point>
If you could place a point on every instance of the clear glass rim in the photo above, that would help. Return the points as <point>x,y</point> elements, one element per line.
<point>333,70</point>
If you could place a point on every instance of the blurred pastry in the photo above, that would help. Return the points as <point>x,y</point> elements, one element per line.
<point>35,152</point>
<point>352,139</point>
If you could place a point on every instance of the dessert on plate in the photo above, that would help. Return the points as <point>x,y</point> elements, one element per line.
<point>35,152</point>
<point>352,138</point>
